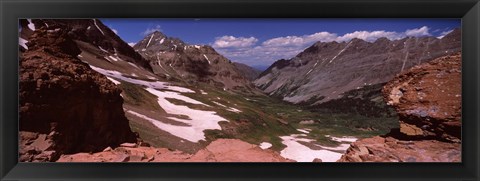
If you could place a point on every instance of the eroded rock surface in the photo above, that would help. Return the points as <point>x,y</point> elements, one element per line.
<point>65,106</point>
<point>427,99</point>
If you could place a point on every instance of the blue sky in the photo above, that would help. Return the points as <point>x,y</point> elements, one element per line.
<point>260,42</point>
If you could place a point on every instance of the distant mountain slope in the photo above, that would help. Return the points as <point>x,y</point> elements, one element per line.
<point>171,57</point>
<point>325,71</point>
<point>249,72</point>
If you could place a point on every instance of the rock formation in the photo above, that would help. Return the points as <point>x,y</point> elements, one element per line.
<point>65,106</point>
<point>221,150</point>
<point>427,99</point>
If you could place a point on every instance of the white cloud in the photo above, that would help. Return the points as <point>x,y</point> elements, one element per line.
<point>369,35</point>
<point>151,30</point>
<point>443,34</point>
<point>131,44</point>
<point>234,42</point>
<point>115,31</point>
<point>423,31</point>
<point>300,40</point>
<point>244,49</point>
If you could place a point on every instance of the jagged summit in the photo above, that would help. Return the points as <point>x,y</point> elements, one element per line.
<point>157,41</point>
<point>325,70</point>
<point>172,58</point>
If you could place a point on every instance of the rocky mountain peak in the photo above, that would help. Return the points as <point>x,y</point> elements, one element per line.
<point>157,34</point>
<point>382,40</point>
<point>171,57</point>
<point>157,41</point>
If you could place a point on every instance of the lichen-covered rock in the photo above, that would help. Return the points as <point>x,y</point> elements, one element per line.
<point>427,99</point>
<point>62,96</point>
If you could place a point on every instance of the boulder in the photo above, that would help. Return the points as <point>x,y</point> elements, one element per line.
<point>427,99</point>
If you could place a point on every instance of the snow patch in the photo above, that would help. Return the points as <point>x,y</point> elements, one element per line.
<point>231,109</point>
<point>265,145</point>
<point>303,131</point>
<point>154,85</point>
<point>203,92</point>
<point>162,40</point>
<point>198,120</point>
<point>112,58</point>
<point>52,31</point>
<point>341,51</point>
<point>133,65</point>
<point>95,22</point>
<point>301,153</point>
<point>31,25</point>
<point>113,80</point>
<point>99,47</point>
<point>342,139</point>
<point>150,77</point>
<point>309,71</point>
<point>206,58</point>
<point>149,41</point>
<point>22,42</point>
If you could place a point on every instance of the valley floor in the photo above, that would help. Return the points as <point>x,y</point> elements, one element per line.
<point>187,118</point>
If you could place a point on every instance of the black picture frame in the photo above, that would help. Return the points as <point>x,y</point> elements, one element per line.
<point>11,11</point>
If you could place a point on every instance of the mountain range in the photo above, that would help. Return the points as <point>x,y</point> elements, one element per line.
<point>327,70</point>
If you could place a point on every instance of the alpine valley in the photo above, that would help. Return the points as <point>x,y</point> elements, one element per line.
<point>88,96</point>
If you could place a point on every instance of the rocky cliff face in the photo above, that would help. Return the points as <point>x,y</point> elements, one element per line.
<point>65,106</point>
<point>221,150</point>
<point>427,99</point>
<point>326,70</point>
<point>171,57</point>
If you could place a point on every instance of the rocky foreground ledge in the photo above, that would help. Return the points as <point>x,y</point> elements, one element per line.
<point>427,99</point>
<point>221,150</point>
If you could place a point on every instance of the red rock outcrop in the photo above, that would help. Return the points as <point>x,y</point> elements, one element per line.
<point>65,106</point>
<point>221,150</point>
<point>427,99</point>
